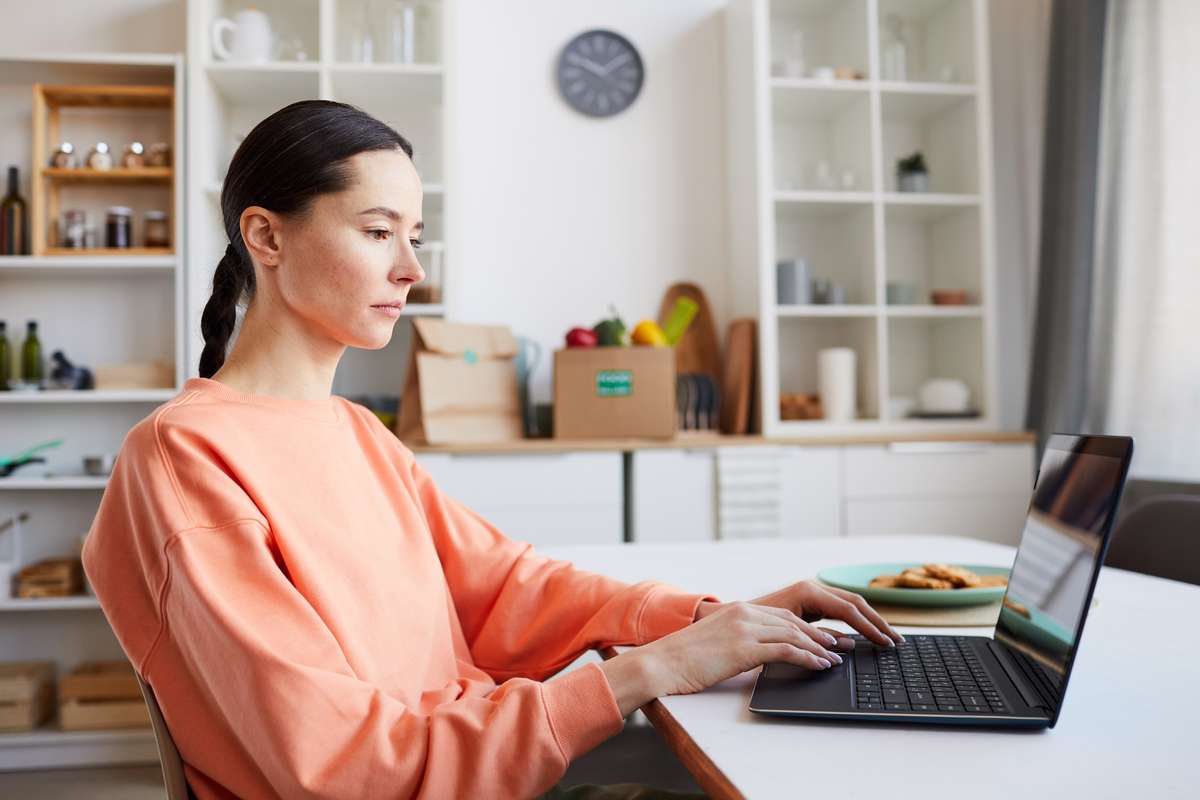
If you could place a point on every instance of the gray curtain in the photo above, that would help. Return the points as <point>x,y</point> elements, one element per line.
<point>1059,380</point>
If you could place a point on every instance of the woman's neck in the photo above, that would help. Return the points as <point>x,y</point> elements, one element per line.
<point>277,354</point>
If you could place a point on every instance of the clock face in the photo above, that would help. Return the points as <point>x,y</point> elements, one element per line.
<point>600,73</point>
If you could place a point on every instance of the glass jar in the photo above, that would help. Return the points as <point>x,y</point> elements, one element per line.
<point>100,158</point>
<point>64,157</point>
<point>134,156</point>
<point>159,155</point>
<point>155,229</point>
<point>118,228</point>
<point>74,227</point>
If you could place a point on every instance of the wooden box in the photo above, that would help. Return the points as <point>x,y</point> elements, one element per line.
<point>101,694</point>
<point>26,694</point>
<point>51,577</point>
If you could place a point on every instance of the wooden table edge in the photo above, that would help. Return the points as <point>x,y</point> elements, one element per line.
<point>707,774</point>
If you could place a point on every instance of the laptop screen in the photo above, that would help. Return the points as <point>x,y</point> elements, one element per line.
<point>1062,547</point>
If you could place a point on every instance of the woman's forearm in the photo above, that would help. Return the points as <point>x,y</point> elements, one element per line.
<point>632,680</point>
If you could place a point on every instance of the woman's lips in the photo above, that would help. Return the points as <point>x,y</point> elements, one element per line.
<point>392,310</point>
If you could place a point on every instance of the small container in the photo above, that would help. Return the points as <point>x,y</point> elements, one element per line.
<point>159,155</point>
<point>100,157</point>
<point>74,228</point>
<point>64,157</point>
<point>156,232</point>
<point>118,227</point>
<point>134,156</point>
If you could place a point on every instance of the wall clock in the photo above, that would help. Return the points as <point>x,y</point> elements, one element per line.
<point>600,73</point>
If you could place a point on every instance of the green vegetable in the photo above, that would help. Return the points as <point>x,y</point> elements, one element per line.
<point>610,332</point>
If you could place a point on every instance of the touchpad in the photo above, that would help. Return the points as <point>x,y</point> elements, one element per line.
<point>788,687</point>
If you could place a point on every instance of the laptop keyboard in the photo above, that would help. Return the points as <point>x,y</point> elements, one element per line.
<point>925,674</point>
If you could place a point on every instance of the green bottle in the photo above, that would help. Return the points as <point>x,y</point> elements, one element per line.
<point>31,357</point>
<point>5,357</point>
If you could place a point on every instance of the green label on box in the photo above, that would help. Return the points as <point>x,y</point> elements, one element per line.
<point>614,383</point>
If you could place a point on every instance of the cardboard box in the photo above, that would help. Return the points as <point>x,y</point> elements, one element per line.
<point>614,392</point>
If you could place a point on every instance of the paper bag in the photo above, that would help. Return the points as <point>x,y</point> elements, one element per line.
<point>460,386</point>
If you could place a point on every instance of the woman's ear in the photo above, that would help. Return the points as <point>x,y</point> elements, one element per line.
<point>260,232</point>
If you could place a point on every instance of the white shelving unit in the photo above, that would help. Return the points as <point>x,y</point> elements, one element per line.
<point>226,100</point>
<point>98,309</point>
<point>848,220</point>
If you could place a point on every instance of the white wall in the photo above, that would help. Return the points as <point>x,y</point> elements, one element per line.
<point>559,214</point>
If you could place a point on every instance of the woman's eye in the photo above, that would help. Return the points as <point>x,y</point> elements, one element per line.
<point>384,231</point>
<point>416,243</point>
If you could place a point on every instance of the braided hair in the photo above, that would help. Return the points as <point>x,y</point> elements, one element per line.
<point>283,164</point>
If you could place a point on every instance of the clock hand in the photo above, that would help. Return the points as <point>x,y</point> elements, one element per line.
<point>588,64</point>
<point>610,66</point>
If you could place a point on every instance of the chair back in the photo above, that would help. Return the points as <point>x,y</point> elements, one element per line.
<point>172,764</point>
<point>1160,537</point>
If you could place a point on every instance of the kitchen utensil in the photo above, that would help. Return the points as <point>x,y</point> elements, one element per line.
<point>7,465</point>
<point>738,377</point>
<point>707,408</point>
<point>836,378</point>
<point>529,353</point>
<point>857,577</point>
<point>681,400</point>
<point>681,316</point>
<point>251,30</point>
<point>697,350</point>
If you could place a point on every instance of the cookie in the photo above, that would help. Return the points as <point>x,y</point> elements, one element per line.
<point>912,581</point>
<point>958,576</point>
<point>885,582</point>
<point>993,580</point>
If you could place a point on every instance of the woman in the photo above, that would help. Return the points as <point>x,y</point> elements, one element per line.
<point>315,617</point>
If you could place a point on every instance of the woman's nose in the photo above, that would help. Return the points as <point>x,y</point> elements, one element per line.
<point>409,269</point>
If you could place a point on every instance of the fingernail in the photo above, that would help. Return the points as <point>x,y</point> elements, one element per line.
<point>830,639</point>
<point>824,664</point>
<point>899,638</point>
<point>836,657</point>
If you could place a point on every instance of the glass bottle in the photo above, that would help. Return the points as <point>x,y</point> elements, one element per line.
<point>32,369</point>
<point>893,51</point>
<point>5,357</point>
<point>14,220</point>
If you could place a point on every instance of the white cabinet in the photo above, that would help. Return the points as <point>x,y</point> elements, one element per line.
<point>673,495</point>
<point>541,498</point>
<point>941,488</point>
<point>811,494</point>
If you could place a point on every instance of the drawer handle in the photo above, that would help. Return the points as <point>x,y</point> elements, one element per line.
<point>910,448</point>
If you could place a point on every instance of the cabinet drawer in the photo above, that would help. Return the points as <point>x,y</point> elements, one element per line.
<point>938,469</point>
<point>527,480</point>
<point>673,496</point>
<point>996,517</point>
<point>547,526</point>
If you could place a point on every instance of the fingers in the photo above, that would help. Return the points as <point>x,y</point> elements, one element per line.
<point>847,611</point>
<point>844,642</point>
<point>865,609</point>
<point>819,635</point>
<point>789,634</point>
<point>772,652</point>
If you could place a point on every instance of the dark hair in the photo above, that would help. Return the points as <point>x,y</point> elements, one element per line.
<point>283,164</point>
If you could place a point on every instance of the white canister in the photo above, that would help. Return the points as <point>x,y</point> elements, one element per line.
<point>251,31</point>
<point>836,375</point>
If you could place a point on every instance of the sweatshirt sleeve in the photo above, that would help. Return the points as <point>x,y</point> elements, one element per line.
<point>524,614</point>
<point>275,675</point>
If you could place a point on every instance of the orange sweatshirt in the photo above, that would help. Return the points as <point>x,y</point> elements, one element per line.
<point>318,620</point>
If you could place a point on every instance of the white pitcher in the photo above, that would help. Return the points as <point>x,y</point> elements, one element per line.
<point>251,31</point>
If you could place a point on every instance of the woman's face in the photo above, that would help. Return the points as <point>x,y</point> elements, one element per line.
<point>354,252</point>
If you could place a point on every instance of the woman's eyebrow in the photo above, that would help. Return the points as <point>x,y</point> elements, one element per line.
<point>391,214</point>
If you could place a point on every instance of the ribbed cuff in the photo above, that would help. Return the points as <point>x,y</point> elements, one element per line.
<point>583,710</point>
<point>666,610</point>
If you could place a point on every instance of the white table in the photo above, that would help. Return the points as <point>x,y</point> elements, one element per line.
<point>1130,721</point>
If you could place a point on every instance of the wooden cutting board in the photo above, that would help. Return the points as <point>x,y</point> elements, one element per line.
<point>697,350</point>
<point>738,377</point>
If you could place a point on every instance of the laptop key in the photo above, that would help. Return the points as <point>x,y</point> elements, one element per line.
<point>949,707</point>
<point>870,706</point>
<point>976,709</point>
<point>923,707</point>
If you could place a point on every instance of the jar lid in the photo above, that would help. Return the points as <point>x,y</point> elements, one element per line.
<point>123,211</point>
<point>155,215</point>
<point>101,147</point>
<point>135,147</point>
<point>66,147</point>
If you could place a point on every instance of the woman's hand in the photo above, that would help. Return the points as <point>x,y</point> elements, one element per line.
<point>731,639</point>
<point>814,601</point>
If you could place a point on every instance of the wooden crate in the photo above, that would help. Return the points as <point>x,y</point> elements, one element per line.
<point>26,694</point>
<point>101,694</point>
<point>48,101</point>
<point>51,577</point>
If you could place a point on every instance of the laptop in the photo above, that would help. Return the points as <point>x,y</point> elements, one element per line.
<point>1018,676</point>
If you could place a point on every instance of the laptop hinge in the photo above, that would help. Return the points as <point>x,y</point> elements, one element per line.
<point>1030,693</point>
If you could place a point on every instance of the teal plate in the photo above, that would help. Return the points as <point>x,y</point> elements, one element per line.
<point>855,578</point>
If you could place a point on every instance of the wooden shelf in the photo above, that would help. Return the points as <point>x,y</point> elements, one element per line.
<point>97,252</point>
<point>108,96</point>
<point>114,175</point>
